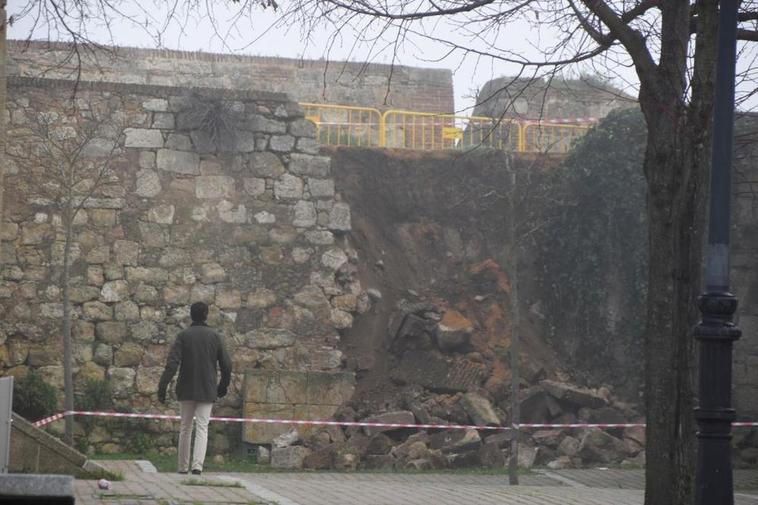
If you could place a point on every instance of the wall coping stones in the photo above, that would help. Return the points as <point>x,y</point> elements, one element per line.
<point>126,52</point>
<point>146,89</point>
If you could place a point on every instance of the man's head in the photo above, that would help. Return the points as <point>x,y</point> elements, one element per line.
<point>199,312</point>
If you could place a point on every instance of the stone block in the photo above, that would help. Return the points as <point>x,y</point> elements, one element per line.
<point>266,165</point>
<point>144,138</point>
<point>143,331</point>
<point>153,234</point>
<point>264,217</point>
<point>212,273</point>
<point>259,433</point>
<point>111,332</point>
<point>339,217</point>
<point>102,217</point>
<point>34,233</point>
<point>334,258</point>
<point>259,123</point>
<point>341,319</point>
<point>290,458</point>
<point>146,274</point>
<point>122,381</point>
<point>88,372</point>
<point>155,105</point>
<point>302,128</point>
<point>281,143</point>
<point>8,231</point>
<point>308,145</point>
<point>163,120</point>
<point>269,338</point>
<point>148,183</point>
<point>319,237</point>
<point>228,297</point>
<point>214,186</point>
<point>438,374</point>
<point>304,214</point>
<point>174,257</point>
<point>321,188</point>
<point>147,378</point>
<point>176,295</point>
<point>231,214</point>
<point>396,417</point>
<point>254,186</point>
<point>128,355</point>
<point>580,397</point>
<point>146,159</point>
<point>114,291</point>
<point>261,298</point>
<point>479,410</point>
<point>305,164</point>
<point>180,162</point>
<point>97,311</point>
<point>161,214</point>
<point>288,187</point>
<point>203,293</point>
<point>126,252</point>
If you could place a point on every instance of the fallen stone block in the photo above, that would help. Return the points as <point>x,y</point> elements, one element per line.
<point>479,410</point>
<point>397,417</point>
<point>290,458</point>
<point>581,397</point>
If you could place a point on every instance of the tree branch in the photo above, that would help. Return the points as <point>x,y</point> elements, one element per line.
<point>361,7</point>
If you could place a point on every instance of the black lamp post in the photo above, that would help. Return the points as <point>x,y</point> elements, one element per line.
<point>716,332</point>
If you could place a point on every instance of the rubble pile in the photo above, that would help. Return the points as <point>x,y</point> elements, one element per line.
<point>447,374</point>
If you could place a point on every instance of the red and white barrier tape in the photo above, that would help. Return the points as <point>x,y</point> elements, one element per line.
<point>47,420</point>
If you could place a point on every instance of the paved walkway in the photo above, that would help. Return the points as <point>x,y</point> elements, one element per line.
<point>547,487</point>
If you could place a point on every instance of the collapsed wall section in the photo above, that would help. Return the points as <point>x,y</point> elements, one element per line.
<point>242,215</point>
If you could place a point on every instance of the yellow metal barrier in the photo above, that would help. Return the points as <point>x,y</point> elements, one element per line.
<point>343,125</point>
<point>428,131</point>
<point>547,137</point>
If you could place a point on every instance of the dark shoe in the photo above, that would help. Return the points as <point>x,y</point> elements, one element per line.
<point>197,472</point>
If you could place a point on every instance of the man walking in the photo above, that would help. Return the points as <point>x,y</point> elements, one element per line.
<point>196,352</point>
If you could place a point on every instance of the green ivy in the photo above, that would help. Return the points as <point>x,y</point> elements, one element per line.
<point>33,398</point>
<point>594,252</point>
<point>96,395</point>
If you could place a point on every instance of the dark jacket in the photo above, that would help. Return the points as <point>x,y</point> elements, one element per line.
<point>196,352</point>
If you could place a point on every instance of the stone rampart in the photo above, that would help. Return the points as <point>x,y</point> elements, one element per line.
<point>242,215</point>
<point>349,83</point>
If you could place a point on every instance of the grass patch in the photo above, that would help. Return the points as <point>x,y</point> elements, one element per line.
<point>240,464</point>
<point>110,475</point>
<point>168,463</point>
<point>210,483</point>
<point>124,496</point>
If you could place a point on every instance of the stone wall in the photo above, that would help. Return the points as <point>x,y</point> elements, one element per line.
<point>348,83</point>
<point>246,220</point>
<point>524,98</point>
<point>744,268</point>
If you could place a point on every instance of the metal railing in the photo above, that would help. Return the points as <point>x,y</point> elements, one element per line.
<point>343,125</point>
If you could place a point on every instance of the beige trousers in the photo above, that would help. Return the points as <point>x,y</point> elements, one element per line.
<point>201,412</point>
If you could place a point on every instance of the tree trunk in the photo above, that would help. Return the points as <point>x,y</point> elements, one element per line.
<point>676,178</point>
<point>3,95</point>
<point>68,376</point>
<point>515,326</point>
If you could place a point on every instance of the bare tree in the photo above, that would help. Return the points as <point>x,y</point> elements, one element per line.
<point>672,47</point>
<point>73,153</point>
<point>670,44</point>
<point>3,94</point>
